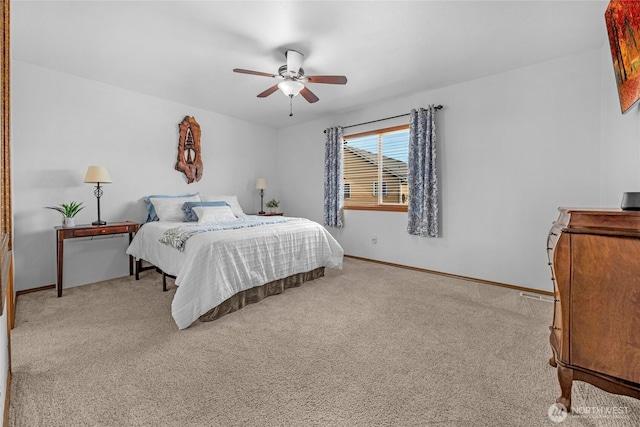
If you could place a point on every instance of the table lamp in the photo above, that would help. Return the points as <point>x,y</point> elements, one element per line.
<point>261,184</point>
<point>97,175</point>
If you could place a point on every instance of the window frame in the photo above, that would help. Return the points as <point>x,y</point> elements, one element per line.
<point>387,207</point>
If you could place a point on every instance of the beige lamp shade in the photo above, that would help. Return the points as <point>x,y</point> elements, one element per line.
<point>261,184</point>
<point>97,174</point>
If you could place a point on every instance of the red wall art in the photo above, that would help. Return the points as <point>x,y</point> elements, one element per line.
<point>623,26</point>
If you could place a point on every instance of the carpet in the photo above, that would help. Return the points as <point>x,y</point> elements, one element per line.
<point>370,345</point>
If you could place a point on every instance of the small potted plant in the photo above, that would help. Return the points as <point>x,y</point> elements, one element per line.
<point>272,205</point>
<point>68,211</point>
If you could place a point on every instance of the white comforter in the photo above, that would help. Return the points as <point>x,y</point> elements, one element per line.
<point>218,264</point>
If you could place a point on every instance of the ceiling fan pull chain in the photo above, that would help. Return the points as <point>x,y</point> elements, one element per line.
<point>290,105</point>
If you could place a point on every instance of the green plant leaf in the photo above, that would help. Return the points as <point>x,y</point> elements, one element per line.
<point>68,210</point>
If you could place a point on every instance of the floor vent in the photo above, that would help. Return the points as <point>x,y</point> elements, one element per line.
<point>537,297</point>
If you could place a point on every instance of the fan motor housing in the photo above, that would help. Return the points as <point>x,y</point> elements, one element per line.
<point>284,72</point>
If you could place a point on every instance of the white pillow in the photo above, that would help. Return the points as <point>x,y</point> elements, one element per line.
<point>230,200</point>
<point>170,209</point>
<point>213,213</point>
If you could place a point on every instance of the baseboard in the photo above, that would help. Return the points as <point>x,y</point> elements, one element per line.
<point>5,421</point>
<point>455,276</point>
<point>28,291</point>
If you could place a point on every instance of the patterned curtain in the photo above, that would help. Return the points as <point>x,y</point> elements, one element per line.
<point>333,185</point>
<point>423,179</point>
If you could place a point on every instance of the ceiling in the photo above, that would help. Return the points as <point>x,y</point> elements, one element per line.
<point>185,51</point>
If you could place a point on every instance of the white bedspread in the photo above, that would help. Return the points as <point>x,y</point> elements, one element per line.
<point>218,264</point>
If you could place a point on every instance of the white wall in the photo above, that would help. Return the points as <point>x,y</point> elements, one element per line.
<point>61,124</point>
<point>619,140</point>
<point>513,147</point>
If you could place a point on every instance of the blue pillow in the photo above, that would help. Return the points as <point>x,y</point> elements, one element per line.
<point>151,211</point>
<point>191,215</point>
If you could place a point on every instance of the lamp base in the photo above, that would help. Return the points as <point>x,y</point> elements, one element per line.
<point>99,222</point>
<point>261,213</point>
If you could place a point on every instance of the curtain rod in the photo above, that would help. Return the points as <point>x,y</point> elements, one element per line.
<point>437,107</point>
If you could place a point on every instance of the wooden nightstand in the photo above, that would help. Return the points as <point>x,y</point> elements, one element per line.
<point>88,230</point>
<point>270,214</point>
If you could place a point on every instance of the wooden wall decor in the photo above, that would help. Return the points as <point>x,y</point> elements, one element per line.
<point>189,155</point>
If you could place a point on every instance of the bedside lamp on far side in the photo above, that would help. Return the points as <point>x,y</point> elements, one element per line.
<point>97,175</point>
<point>261,184</point>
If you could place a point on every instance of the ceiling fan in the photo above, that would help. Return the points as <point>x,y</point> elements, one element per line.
<point>293,79</point>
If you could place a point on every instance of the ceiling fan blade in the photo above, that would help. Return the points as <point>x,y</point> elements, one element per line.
<point>333,80</point>
<point>308,95</point>
<point>255,73</point>
<point>268,91</point>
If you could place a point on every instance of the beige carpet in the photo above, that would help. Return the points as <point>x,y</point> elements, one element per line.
<point>370,345</point>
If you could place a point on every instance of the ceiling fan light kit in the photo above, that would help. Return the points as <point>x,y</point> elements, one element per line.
<point>293,79</point>
<point>290,87</point>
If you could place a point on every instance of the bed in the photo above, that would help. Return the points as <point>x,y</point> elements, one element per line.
<point>221,267</point>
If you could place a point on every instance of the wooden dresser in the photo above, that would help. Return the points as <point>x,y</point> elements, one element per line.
<point>594,256</point>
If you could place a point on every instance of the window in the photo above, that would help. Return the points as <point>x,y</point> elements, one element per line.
<point>347,191</point>
<point>374,157</point>
<point>384,188</point>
